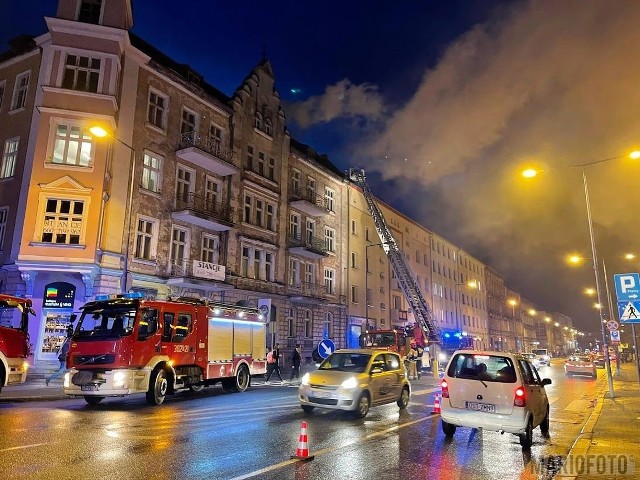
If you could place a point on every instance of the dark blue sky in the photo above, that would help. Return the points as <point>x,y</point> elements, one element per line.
<point>441,102</point>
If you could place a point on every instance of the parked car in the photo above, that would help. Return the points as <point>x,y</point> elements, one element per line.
<point>580,365</point>
<point>542,356</point>
<point>533,358</point>
<point>355,380</point>
<point>496,391</point>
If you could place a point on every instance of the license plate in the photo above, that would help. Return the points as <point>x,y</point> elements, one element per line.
<point>480,407</point>
<point>90,388</point>
<point>322,394</point>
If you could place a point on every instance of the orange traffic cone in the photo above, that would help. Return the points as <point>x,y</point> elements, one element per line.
<point>436,404</point>
<point>302,453</point>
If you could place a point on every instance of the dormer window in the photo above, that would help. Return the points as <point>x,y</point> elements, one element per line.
<point>268,129</point>
<point>90,11</point>
<point>258,124</point>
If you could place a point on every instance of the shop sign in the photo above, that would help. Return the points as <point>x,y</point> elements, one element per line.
<point>208,270</point>
<point>59,295</point>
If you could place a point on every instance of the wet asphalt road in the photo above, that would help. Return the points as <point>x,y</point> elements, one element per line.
<point>215,435</point>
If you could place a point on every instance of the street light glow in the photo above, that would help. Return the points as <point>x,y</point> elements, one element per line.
<point>98,131</point>
<point>634,155</point>
<point>590,291</point>
<point>529,173</point>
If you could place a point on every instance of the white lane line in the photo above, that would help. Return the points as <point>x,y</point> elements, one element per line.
<point>327,450</point>
<point>21,447</point>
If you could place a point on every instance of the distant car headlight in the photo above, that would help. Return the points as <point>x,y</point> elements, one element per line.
<point>305,379</point>
<point>350,383</point>
<point>442,357</point>
<point>546,357</point>
<point>120,379</point>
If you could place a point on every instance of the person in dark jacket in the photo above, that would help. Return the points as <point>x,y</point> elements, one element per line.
<point>296,357</point>
<point>274,366</point>
<point>62,358</point>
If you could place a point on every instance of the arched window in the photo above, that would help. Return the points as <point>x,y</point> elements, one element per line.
<point>268,129</point>
<point>291,322</point>
<point>258,124</point>
<point>308,324</point>
<point>327,328</point>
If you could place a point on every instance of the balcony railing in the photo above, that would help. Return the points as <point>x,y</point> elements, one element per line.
<point>311,244</point>
<point>297,193</point>
<point>256,285</point>
<point>210,145</point>
<point>203,206</point>
<point>308,289</point>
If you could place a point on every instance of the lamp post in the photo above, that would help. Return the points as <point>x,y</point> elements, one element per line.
<point>366,278</point>
<point>529,173</point>
<point>101,132</point>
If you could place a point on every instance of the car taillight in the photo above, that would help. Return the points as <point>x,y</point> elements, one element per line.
<point>445,389</point>
<point>519,400</point>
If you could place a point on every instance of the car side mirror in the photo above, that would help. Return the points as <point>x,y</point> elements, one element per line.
<point>545,381</point>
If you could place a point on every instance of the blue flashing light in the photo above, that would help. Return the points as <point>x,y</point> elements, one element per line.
<point>101,298</point>
<point>132,295</point>
<point>458,335</point>
<point>446,335</point>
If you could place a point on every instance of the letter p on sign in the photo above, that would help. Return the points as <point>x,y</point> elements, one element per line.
<point>627,282</point>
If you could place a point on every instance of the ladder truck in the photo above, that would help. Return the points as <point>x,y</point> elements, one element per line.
<point>418,304</point>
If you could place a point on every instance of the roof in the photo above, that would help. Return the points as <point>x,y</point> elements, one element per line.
<point>321,159</point>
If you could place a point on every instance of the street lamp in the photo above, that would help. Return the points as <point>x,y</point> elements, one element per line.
<point>101,132</point>
<point>530,173</point>
<point>366,278</point>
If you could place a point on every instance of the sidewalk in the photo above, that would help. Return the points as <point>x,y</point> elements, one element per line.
<point>611,430</point>
<point>35,389</point>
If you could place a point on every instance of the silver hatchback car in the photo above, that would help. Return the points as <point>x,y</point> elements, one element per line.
<point>354,380</point>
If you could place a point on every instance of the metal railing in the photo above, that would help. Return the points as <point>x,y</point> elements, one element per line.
<point>206,144</point>
<point>313,244</point>
<point>297,193</point>
<point>203,206</point>
<point>308,289</point>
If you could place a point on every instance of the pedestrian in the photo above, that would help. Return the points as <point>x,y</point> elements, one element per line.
<point>411,362</point>
<point>296,357</point>
<point>273,358</point>
<point>420,351</point>
<point>62,358</point>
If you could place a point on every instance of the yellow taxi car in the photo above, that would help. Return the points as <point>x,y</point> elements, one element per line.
<point>355,380</point>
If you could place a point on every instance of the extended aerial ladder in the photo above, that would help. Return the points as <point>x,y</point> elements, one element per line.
<point>418,304</point>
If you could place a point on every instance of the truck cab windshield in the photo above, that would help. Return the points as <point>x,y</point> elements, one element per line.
<point>13,315</point>
<point>105,323</point>
<point>387,339</point>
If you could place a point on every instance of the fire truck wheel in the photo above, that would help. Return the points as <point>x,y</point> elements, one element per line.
<point>242,379</point>
<point>91,400</point>
<point>157,387</point>
<point>196,388</point>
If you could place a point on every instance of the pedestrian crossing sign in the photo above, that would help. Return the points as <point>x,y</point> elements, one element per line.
<point>629,312</point>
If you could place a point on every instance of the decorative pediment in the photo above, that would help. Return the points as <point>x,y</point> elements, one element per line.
<point>65,184</point>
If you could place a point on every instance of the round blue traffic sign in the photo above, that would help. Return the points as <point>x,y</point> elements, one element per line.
<point>326,347</point>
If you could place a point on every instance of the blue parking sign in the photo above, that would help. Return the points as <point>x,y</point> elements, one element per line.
<point>627,286</point>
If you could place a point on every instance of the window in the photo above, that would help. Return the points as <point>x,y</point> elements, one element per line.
<point>209,251</point>
<point>90,11</point>
<point>330,239</point>
<point>258,121</point>
<point>249,160</point>
<point>308,324</point>
<point>151,172</point>
<point>184,183</point>
<point>294,226</point>
<point>257,263</point>
<point>270,217</point>
<point>295,182</point>
<point>268,128</point>
<point>157,109</point>
<point>268,266</point>
<point>81,73</point>
<point>2,85</point>
<point>20,91</point>
<point>327,329</point>
<point>310,231</point>
<point>329,280</point>
<point>261,164</point>
<point>9,157</point>
<point>215,137</point>
<point>63,221</point>
<point>254,209</point>
<point>329,196</point>
<point>257,260</point>
<point>354,230</point>
<point>188,124</point>
<point>271,169</point>
<point>311,188</point>
<point>291,322</point>
<point>309,274</point>
<point>294,271</point>
<point>354,294</point>
<point>212,190</point>
<point>4,215</point>
<point>146,237</point>
<point>244,262</point>
<point>179,247</point>
<point>354,260</point>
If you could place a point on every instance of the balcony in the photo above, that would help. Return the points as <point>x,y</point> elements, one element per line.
<point>189,273</point>
<point>206,153</point>
<point>307,201</point>
<point>308,247</point>
<point>305,289</point>
<point>197,210</point>
<point>255,285</point>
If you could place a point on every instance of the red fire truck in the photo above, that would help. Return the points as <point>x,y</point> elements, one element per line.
<point>14,339</point>
<point>123,345</point>
<point>397,339</point>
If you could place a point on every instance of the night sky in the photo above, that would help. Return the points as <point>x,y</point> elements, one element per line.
<point>443,103</point>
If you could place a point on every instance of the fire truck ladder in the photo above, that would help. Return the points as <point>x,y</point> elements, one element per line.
<point>407,283</point>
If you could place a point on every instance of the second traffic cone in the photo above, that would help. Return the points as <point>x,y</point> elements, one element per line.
<point>436,404</point>
<point>302,453</point>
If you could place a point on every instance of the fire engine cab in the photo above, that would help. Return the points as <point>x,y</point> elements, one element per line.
<point>14,339</point>
<point>397,339</point>
<point>124,345</point>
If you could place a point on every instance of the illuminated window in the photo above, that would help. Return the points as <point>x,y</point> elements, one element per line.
<point>63,221</point>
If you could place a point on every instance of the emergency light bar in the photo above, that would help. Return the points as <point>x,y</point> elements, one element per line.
<point>113,296</point>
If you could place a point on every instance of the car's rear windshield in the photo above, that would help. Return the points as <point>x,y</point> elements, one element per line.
<point>539,351</point>
<point>580,359</point>
<point>488,368</point>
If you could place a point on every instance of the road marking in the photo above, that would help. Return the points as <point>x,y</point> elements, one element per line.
<point>22,447</point>
<point>327,450</point>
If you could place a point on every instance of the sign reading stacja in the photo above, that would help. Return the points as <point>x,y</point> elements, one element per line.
<point>326,347</point>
